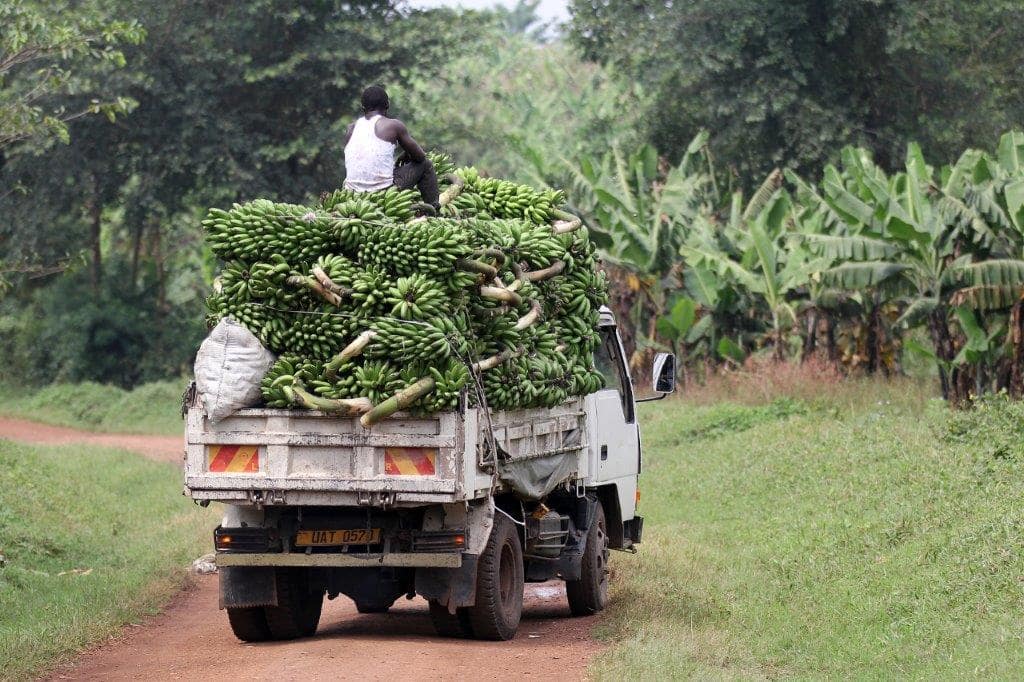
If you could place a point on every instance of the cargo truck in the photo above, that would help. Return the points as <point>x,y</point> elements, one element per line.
<point>460,507</point>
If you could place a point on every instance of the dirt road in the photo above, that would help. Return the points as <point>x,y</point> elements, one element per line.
<point>192,640</point>
<point>161,448</point>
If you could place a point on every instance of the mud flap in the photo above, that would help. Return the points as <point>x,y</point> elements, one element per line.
<point>245,586</point>
<point>452,587</point>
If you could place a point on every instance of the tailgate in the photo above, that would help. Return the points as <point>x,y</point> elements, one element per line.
<point>312,458</point>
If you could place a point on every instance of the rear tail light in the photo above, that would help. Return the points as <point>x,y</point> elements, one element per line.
<point>241,539</point>
<point>439,541</point>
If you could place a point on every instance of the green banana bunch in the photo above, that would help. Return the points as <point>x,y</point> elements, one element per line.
<point>377,380</point>
<point>280,376</point>
<point>369,288</point>
<point>444,164</point>
<point>450,382</point>
<point>315,334</point>
<point>257,230</point>
<point>438,293</point>
<point>506,199</point>
<point>416,297</point>
<point>430,247</point>
<point>401,341</point>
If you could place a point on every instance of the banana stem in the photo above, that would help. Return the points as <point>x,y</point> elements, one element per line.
<point>501,294</point>
<point>355,348</point>
<point>531,317</point>
<point>314,286</point>
<point>494,360</point>
<point>399,401</point>
<point>448,196</point>
<point>565,222</point>
<point>552,270</point>
<point>328,283</point>
<point>351,406</point>
<point>475,266</point>
<point>496,254</point>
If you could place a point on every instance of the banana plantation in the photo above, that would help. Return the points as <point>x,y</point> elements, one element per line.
<point>855,268</point>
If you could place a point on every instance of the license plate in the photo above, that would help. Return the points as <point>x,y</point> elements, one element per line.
<point>334,538</point>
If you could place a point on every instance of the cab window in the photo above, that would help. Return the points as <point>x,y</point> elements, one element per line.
<point>608,361</point>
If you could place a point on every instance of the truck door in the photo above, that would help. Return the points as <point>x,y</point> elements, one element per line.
<point>618,439</point>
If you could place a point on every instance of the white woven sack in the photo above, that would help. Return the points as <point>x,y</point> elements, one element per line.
<point>229,366</point>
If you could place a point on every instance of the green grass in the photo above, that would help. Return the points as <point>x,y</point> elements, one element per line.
<point>93,539</point>
<point>153,408</point>
<point>869,534</point>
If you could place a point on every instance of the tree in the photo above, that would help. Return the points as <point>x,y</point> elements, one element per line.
<point>515,108</point>
<point>784,83</point>
<point>234,101</point>
<point>51,67</point>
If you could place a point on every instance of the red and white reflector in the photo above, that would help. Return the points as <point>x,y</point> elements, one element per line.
<point>410,461</point>
<point>233,459</point>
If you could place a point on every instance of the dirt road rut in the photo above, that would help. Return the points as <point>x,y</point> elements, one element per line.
<point>192,640</point>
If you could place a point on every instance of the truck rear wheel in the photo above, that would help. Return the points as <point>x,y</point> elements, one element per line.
<point>499,584</point>
<point>589,594</point>
<point>450,624</point>
<point>249,624</point>
<point>298,609</point>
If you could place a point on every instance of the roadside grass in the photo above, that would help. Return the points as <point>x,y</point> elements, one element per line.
<point>866,532</point>
<point>93,539</point>
<point>152,408</point>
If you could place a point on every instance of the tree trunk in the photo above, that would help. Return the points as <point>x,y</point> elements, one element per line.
<point>1016,330</point>
<point>811,339</point>
<point>956,384</point>
<point>136,254</point>
<point>95,236</point>
<point>873,342</point>
<point>161,272</point>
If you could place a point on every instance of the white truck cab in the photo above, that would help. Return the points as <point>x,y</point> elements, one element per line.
<point>460,507</point>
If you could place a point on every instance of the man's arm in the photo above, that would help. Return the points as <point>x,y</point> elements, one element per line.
<point>348,133</point>
<point>405,141</point>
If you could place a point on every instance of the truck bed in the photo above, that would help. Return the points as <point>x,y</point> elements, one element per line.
<point>303,457</point>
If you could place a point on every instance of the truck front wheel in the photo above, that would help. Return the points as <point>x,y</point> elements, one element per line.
<point>589,594</point>
<point>298,608</point>
<point>499,584</point>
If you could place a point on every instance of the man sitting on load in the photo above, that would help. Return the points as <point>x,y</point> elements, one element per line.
<point>370,153</point>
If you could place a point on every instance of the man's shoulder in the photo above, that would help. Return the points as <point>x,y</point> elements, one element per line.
<point>391,124</point>
<point>389,128</point>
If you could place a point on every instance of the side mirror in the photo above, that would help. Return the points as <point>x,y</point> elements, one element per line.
<point>664,374</point>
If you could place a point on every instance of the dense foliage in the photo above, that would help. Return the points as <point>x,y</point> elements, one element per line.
<point>101,255</point>
<point>232,100</point>
<point>783,83</point>
<point>841,269</point>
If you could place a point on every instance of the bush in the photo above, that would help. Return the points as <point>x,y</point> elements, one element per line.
<point>65,332</point>
<point>993,427</point>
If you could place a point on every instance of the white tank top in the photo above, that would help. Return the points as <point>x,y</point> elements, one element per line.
<point>369,160</point>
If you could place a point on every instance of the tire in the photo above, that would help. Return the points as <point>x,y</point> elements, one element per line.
<point>450,625</point>
<point>249,624</point>
<point>589,594</point>
<point>298,610</point>
<point>499,584</point>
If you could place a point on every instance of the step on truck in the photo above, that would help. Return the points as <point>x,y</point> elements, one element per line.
<point>460,507</point>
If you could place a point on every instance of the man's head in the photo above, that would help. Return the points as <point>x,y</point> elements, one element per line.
<point>375,98</point>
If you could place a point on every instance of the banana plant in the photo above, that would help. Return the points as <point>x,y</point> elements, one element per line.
<point>754,255</point>
<point>638,210</point>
